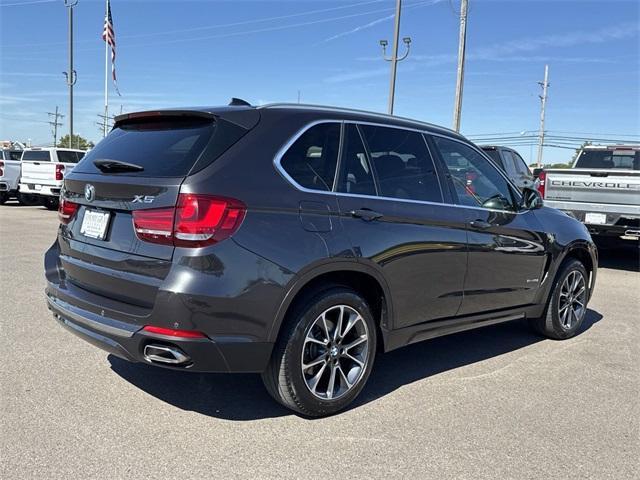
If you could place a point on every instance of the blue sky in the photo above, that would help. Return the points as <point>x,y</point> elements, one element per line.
<point>177,53</point>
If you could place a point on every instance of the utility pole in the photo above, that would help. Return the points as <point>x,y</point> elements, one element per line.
<point>462,46</point>
<point>55,124</point>
<point>71,74</point>
<point>104,123</point>
<point>394,59</point>
<point>543,98</point>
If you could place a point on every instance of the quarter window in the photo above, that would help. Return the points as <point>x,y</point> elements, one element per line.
<point>355,172</point>
<point>402,163</point>
<point>476,181</point>
<point>311,160</point>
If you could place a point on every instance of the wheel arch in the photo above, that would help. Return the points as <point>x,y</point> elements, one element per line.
<point>587,254</point>
<point>361,278</point>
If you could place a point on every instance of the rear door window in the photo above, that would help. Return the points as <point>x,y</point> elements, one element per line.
<point>356,176</point>
<point>402,164</point>
<point>36,156</point>
<point>311,160</point>
<point>69,156</point>
<point>166,147</point>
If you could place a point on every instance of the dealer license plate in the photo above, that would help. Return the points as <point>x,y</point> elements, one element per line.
<point>595,218</point>
<point>94,224</point>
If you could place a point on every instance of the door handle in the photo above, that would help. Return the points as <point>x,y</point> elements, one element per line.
<point>479,224</point>
<point>366,214</point>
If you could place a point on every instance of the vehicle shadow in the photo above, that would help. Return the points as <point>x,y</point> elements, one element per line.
<point>242,397</point>
<point>619,254</point>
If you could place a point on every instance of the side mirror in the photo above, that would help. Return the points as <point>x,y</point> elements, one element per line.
<point>536,172</point>
<point>531,199</point>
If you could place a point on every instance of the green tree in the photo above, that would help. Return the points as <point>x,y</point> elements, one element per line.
<point>78,142</point>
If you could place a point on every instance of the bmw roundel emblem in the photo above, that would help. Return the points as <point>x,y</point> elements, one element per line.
<point>89,192</point>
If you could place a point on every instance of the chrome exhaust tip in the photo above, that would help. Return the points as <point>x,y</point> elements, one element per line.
<point>165,354</point>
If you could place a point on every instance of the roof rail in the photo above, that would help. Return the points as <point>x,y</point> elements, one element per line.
<point>353,110</point>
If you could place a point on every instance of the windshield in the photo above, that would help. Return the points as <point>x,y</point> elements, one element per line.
<point>609,159</point>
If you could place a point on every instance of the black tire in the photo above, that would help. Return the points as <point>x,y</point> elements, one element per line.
<point>285,377</point>
<point>28,200</point>
<point>51,203</point>
<point>551,324</point>
<point>4,196</point>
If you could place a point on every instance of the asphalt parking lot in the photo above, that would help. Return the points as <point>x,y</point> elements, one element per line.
<point>498,402</point>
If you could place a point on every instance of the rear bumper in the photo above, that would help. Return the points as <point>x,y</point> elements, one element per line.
<point>6,187</point>
<point>38,189</point>
<point>620,219</point>
<point>100,323</point>
<point>128,342</point>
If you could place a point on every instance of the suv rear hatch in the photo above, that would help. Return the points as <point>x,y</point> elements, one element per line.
<point>137,170</point>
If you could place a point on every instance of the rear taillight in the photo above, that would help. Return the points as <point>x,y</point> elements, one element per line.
<point>59,171</point>
<point>542,177</point>
<point>1,169</point>
<point>196,221</point>
<point>66,210</point>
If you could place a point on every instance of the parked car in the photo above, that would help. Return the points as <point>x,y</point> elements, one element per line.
<point>602,189</point>
<point>298,241</point>
<point>512,164</point>
<point>9,174</point>
<point>43,170</point>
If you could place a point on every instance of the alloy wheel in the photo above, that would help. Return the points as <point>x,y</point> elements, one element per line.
<point>335,352</point>
<point>572,300</point>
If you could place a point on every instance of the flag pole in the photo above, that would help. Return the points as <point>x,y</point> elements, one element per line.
<point>106,74</point>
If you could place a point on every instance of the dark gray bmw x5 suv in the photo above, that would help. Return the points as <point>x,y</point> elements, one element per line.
<point>299,241</point>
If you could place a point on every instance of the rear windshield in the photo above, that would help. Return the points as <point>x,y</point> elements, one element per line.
<point>609,159</point>
<point>69,156</point>
<point>164,148</point>
<point>494,155</point>
<point>36,156</point>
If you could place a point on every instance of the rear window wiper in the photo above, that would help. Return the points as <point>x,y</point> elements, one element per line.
<point>111,166</point>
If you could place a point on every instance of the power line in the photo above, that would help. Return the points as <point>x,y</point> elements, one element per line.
<point>55,124</point>
<point>232,24</point>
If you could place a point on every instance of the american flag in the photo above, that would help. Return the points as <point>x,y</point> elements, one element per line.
<point>109,36</point>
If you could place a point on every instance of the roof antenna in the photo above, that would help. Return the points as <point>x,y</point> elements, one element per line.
<point>238,102</point>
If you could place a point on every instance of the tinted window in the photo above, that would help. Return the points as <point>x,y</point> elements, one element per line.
<point>311,160</point>
<point>609,159</point>
<point>355,172</point>
<point>521,166</point>
<point>14,154</point>
<point>164,148</point>
<point>509,164</point>
<point>494,155</point>
<point>68,156</point>
<point>36,155</point>
<point>402,164</point>
<point>476,180</point>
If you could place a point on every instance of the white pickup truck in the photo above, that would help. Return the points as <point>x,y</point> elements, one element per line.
<point>602,189</point>
<point>9,173</point>
<point>43,171</point>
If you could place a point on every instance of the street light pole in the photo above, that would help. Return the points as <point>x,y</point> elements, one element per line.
<point>394,59</point>
<point>71,74</point>
<point>462,46</point>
